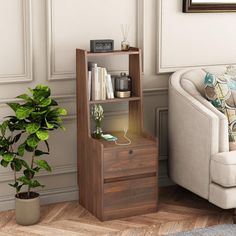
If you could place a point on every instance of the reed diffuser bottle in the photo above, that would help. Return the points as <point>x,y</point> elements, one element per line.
<point>125,46</point>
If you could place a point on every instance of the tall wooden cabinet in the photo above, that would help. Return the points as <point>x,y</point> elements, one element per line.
<point>115,181</point>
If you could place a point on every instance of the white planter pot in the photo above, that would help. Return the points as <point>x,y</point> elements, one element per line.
<point>27,210</point>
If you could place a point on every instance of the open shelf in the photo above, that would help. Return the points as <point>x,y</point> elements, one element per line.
<point>115,52</point>
<point>115,100</point>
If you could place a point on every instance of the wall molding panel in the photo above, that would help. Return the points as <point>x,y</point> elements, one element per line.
<point>161,131</point>
<point>141,21</point>
<point>192,40</point>
<point>6,176</point>
<point>52,74</point>
<point>26,76</point>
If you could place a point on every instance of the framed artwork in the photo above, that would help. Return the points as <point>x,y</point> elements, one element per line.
<point>209,6</point>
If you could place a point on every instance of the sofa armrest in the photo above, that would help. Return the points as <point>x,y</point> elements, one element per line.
<point>193,137</point>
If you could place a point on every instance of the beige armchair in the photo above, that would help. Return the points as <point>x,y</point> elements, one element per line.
<point>199,157</point>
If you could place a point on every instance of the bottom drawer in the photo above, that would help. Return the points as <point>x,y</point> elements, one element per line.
<point>129,197</point>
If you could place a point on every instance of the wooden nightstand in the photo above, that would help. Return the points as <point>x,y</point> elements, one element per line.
<point>115,181</point>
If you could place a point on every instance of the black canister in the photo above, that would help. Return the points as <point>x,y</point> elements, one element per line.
<point>123,85</point>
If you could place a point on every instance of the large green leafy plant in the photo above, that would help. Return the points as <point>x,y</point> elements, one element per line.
<point>23,133</point>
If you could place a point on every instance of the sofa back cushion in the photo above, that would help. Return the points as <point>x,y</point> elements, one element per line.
<point>218,89</point>
<point>193,80</point>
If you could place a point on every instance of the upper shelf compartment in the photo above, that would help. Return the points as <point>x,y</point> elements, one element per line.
<point>132,51</point>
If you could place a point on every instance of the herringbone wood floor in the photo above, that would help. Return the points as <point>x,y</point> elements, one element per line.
<point>179,210</point>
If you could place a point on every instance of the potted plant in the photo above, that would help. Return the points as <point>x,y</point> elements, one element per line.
<point>97,114</point>
<point>20,136</point>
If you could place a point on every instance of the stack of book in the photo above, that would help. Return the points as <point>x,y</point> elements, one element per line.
<point>100,85</point>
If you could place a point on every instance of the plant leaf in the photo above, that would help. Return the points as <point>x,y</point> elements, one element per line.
<point>18,188</point>
<point>32,128</point>
<point>60,111</point>
<point>4,163</point>
<point>4,126</point>
<point>16,165</point>
<point>36,169</point>
<point>38,113</point>
<point>49,125</point>
<point>40,153</point>
<point>44,165</point>
<point>20,125</point>
<point>8,157</point>
<point>24,180</point>
<point>29,174</point>
<point>21,150</point>
<point>53,114</point>
<point>32,141</point>
<point>24,163</point>
<point>13,105</point>
<point>54,103</point>
<point>40,92</point>
<point>43,87</point>
<point>25,97</point>
<point>35,184</point>
<point>16,138</point>
<point>23,112</point>
<point>45,102</point>
<point>42,134</point>
<point>14,185</point>
<point>62,127</point>
<point>47,145</point>
<point>28,148</point>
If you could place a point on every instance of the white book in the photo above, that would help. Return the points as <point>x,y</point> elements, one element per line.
<point>95,83</point>
<point>89,84</point>
<point>109,89</point>
<point>100,75</point>
<point>104,74</point>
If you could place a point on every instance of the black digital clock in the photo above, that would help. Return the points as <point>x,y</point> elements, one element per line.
<point>102,45</point>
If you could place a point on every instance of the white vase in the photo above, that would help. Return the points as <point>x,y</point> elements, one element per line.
<point>27,210</point>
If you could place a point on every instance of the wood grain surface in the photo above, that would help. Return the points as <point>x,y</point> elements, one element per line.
<point>115,181</point>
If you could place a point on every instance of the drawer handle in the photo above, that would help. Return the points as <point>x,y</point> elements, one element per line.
<point>130,152</point>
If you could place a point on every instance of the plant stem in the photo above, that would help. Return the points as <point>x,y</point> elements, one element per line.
<point>17,193</point>
<point>32,165</point>
<point>14,170</point>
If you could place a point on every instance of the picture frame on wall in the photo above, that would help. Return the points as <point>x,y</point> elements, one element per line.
<point>198,6</point>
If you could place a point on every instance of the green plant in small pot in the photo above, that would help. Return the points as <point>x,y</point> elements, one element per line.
<point>97,114</point>
<point>21,136</point>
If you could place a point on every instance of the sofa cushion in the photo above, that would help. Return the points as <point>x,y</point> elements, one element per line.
<point>223,169</point>
<point>218,90</point>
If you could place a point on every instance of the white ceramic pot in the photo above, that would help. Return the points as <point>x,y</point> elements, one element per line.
<point>27,210</point>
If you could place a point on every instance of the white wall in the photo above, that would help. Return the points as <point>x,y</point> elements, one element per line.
<point>37,45</point>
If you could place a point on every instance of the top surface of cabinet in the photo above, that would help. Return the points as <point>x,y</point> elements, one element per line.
<point>136,140</point>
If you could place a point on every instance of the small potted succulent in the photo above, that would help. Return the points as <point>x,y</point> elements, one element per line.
<point>21,136</point>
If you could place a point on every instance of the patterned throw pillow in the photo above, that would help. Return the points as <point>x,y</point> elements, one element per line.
<point>220,91</point>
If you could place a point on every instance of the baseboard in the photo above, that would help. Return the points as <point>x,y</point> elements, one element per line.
<point>46,197</point>
<point>165,181</point>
